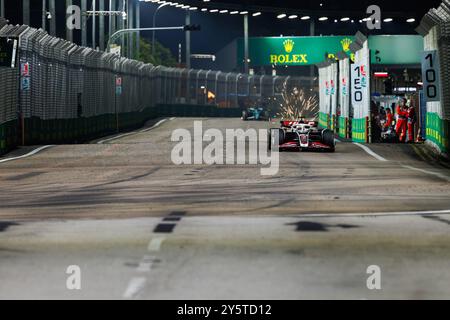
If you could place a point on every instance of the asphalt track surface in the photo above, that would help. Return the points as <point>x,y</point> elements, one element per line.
<point>140,227</point>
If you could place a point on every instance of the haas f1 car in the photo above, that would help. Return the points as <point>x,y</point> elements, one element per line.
<point>255,114</point>
<point>301,136</point>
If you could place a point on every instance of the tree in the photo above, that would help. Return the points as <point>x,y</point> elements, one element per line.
<point>163,56</point>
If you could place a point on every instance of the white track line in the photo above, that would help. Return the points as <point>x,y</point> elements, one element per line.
<point>134,132</point>
<point>436,174</point>
<point>28,154</point>
<point>155,244</point>
<point>135,285</point>
<point>156,125</point>
<point>146,264</point>
<point>375,214</point>
<point>370,152</point>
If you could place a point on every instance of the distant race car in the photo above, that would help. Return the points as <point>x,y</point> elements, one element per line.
<point>255,114</point>
<point>302,135</point>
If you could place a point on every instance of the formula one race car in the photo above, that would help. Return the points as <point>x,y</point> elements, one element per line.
<point>301,135</point>
<point>255,114</point>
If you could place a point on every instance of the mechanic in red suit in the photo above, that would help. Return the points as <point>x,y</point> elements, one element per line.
<point>411,123</point>
<point>402,119</point>
<point>389,119</point>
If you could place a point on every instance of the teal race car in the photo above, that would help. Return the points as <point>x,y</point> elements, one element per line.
<point>255,114</point>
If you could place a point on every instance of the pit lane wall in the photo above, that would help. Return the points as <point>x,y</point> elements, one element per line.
<point>435,27</point>
<point>59,92</point>
<point>328,79</point>
<point>360,89</point>
<point>344,86</point>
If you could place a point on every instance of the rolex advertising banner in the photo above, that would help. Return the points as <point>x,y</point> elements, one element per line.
<point>360,92</point>
<point>293,51</point>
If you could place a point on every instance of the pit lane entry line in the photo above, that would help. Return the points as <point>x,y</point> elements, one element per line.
<point>370,152</point>
<point>436,174</point>
<point>134,132</point>
<point>29,154</point>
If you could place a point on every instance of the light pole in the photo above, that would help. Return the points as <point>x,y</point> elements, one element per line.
<point>130,19</point>
<point>2,8</point>
<point>154,25</point>
<point>93,24</point>
<point>112,19</point>
<point>52,18</point>
<point>135,30</point>
<point>246,56</point>
<point>312,32</point>
<point>101,27</point>
<point>188,42</point>
<point>44,14</point>
<point>84,23</point>
<point>69,33</point>
<point>26,12</point>
<point>138,25</point>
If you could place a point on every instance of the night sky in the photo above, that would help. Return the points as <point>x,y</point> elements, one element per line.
<point>218,30</point>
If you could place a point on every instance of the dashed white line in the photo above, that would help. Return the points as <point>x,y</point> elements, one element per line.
<point>27,155</point>
<point>436,174</point>
<point>135,285</point>
<point>146,264</point>
<point>155,244</point>
<point>370,152</point>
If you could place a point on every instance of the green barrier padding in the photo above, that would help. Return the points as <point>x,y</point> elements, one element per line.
<point>343,122</point>
<point>438,131</point>
<point>324,120</point>
<point>359,130</point>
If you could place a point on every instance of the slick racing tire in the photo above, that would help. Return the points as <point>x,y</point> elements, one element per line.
<point>272,138</point>
<point>328,139</point>
<point>244,115</point>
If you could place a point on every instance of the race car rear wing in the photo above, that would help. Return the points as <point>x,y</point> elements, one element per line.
<point>291,123</point>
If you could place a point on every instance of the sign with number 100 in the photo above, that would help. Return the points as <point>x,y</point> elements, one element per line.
<point>431,76</point>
